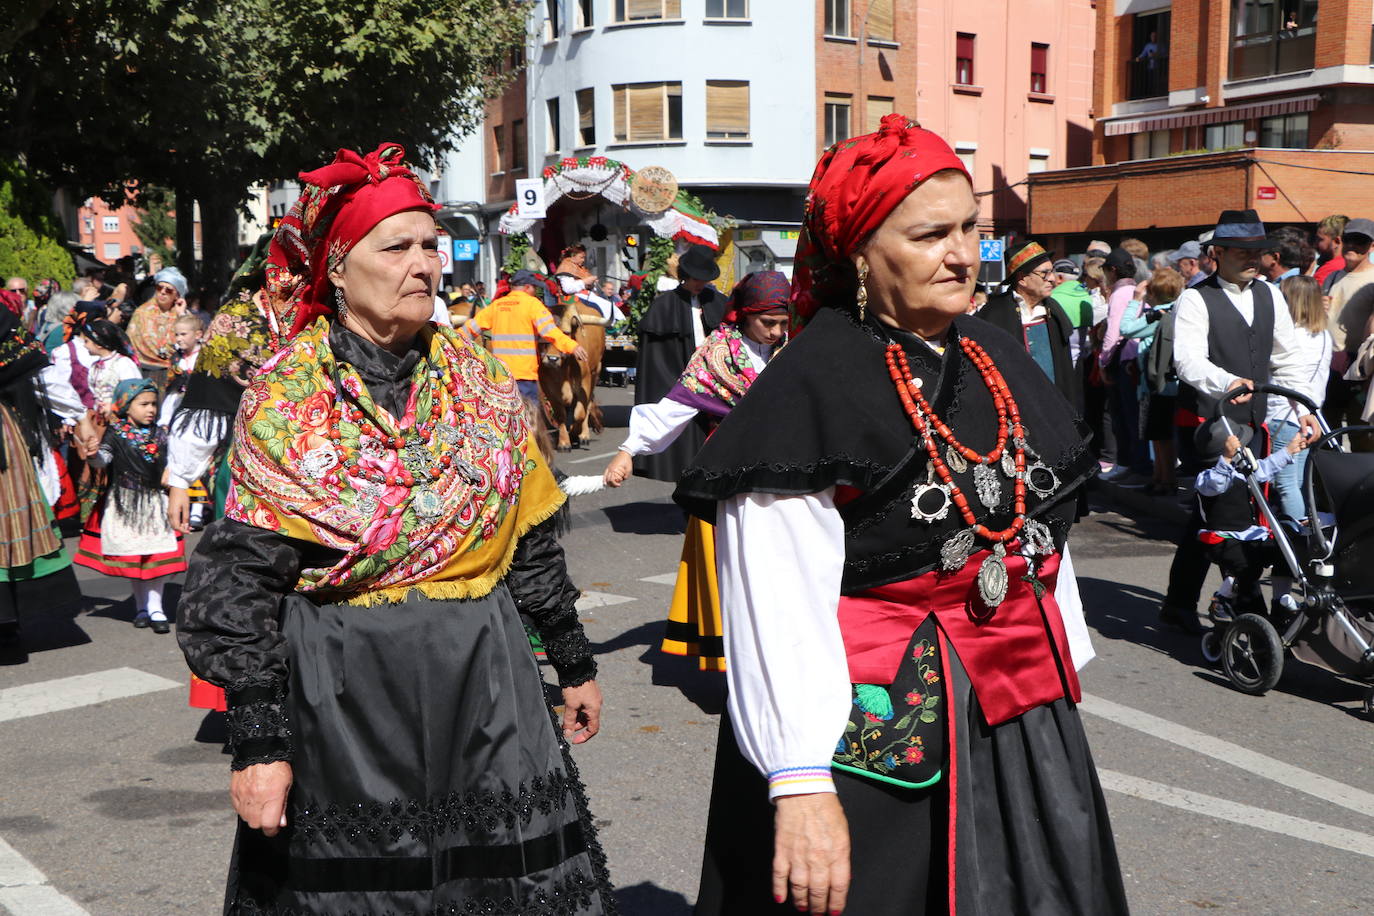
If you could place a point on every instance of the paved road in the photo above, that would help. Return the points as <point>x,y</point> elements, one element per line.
<point>110,805</point>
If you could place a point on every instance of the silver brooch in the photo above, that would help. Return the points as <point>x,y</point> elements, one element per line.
<point>954,552</point>
<point>931,502</point>
<point>986,484</point>
<point>447,433</point>
<point>1008,463</point>
<point>1038,539</point>
<point>318,462</point>
<point>426,503</point>
<point>1041,481</point>
<point>992,577</point>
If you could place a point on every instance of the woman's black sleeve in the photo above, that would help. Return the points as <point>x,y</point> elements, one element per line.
<point>539,582</point>
<point>229,630</point>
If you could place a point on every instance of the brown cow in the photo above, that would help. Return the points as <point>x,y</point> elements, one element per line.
<point>568,385</point>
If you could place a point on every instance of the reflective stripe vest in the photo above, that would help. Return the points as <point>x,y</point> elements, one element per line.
<point>515,323</point>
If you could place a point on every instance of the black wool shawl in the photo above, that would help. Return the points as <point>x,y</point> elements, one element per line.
<point>826,414</point>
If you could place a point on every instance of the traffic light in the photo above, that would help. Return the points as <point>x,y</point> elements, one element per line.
<point>629,254</point>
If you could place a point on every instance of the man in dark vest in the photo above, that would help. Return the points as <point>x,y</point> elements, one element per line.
<point>1025,311</point>
<point>1232,330</point>
<point>674,325</point>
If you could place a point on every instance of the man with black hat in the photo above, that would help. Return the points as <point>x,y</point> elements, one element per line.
<point>673,326</point>
<point>1026,311</point>
<point>1230,332</point>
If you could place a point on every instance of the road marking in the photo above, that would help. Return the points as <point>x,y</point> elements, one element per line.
<point>1335,837</point>
<point>25,891</point>
<point>1330,790</point>
<point>665,579</point>
<point>591,458</point>
<point>590,600</point>
<point>81,690</point>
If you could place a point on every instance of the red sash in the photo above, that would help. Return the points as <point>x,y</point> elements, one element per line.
<point>1007,652</point>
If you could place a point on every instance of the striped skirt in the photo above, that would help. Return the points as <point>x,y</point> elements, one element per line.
<point>126,566</point>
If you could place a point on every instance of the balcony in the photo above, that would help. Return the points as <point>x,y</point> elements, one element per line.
<point>1148,79</point>
<point>1270,53</point>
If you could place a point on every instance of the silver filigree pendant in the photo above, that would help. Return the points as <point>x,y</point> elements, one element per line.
<point>987,486</point>
<point>447,433</point>
<point>318,462</point>
<point>1008,463</point>
<point>931,502</point>
<point>1041,480</point>
<point>426,503</point>
<point>954,552</point>
<point>369,496</point>
<point>992,577</point>
<point>955,461</point>
<point>417,457</point>
<point>1038,539</point>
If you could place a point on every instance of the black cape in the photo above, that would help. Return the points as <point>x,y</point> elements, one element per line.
<point>1002,311</point>
<point>666,343</point>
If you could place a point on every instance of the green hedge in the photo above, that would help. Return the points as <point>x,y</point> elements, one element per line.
<point>30,235</point>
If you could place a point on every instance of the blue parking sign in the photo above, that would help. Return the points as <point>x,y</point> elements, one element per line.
<point>465,249</point>
<point>990,249</point>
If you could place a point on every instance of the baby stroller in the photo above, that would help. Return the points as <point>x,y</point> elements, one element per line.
<point>1331,559</point>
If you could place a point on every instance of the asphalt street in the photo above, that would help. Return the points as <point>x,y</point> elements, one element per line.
<point>113,791</point>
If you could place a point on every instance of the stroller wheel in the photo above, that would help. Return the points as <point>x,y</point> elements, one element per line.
<point>1252,654</point>
<point>1211,645</point>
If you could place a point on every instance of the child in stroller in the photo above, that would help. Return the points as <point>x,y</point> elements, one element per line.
<point>1237,540</point>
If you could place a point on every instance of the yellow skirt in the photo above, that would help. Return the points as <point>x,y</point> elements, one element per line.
<point>694,625</point>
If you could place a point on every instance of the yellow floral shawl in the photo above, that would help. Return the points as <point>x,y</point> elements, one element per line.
<point>455,539</point>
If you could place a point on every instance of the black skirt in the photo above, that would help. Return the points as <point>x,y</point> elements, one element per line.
<point>1031,830</point>
<point>430,777</point>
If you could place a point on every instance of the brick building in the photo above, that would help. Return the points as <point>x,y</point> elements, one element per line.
<point>1205,105</point>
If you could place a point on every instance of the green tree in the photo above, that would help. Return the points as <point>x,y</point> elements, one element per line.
<point>156,225</point>
<point>30,239</point>
<point>205,97</point>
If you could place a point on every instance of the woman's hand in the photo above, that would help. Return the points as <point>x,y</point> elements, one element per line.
<point>811,853</point>
<point>619,470</point>
<point>259,793</point>
<point>178,508</point>
<point>581,712</point>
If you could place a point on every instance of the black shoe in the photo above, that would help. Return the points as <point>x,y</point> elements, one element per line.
<point>142,621</point>
<point>9,633</point>
<point>1180,618</point>
<point>160,624</point>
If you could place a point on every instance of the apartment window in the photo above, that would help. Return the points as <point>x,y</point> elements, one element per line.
<point>498,148</point>
<point>1039,161</point>
<point>881,24</point>
<point>586,117</point>
<point>877,108</point>
<point>727,109</point>
<point>584,14</point>
<point>837,18</point>
<point>1150,144</point>
<point>645,112</point>
<point>963,59</point>
<point>640,10</point>
<point>1284,132</point>
<point>109,224</point>
<point>1040,68</point>
<point>727,9</point>
<point>836,118</point>
<point>553,19</point>
<point>1224,136</point>
<point>553,141</point>
<point>1149,61</point>
<point>517,59</point>
<point>110,251</point>
<point>965,153</point>
<point>1270,37</point>
<point>518,150</point>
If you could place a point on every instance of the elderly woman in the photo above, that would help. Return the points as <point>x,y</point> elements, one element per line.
<point>393,752</point>
<point>152,327</point>
<point>891,503</point>
<point>717,376</point>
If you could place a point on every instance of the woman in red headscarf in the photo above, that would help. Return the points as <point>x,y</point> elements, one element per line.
<point>388,512</point>
<point>891,504</point>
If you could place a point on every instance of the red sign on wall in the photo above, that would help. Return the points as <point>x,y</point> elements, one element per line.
<point>1264,192</point>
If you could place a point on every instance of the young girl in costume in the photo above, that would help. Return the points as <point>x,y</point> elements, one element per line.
<point>128,534</point>
<point>188,330</point>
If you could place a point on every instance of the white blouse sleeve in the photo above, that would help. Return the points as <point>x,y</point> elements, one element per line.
<point>188,456</point>
<point>654,427</point>
<point>779,562</point>
<point>1070,603</point>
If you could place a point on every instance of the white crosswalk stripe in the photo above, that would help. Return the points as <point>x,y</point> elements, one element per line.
<point>79,690</point>
<point>24,890</point>
<point>600,599</point>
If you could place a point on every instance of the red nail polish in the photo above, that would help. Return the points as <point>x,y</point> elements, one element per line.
<point>778,898</point>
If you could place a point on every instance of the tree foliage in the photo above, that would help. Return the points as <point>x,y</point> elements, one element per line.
<point>30,239</point>
<point>156,227</point>
<point>206,97</point>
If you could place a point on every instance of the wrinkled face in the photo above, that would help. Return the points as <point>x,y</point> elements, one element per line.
<point>1237,265</point>
<point>767,328</point>
<point>143,409</point>
<point>1187,267</point>
<point>389,278</point>
<point>923,259</point>
<point>166,296</point>
<point>1037,284</point>
<point>1355,250</point>
<point>188,338</point>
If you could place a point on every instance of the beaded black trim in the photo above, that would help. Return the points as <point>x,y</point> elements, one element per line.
<point>573,895</point>
<point>570,653</point>
<point>428,820</point>
<point>259,727</point>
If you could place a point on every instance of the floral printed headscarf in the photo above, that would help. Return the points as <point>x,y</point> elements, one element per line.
<point>126,391</point>
<point>856,185</point>
<point>340,204</point>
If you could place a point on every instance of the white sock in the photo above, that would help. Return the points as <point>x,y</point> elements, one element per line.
<point>197,512</point>
<point>154,592</point>
<point>1228,587</point>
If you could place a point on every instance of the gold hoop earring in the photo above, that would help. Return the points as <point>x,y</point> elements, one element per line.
<point>862,299</point>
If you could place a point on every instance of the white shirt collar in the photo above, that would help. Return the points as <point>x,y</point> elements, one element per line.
<point>1234,289</point>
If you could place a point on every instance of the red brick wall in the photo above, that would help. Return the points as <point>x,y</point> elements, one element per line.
<point>508,107</point>
<point>887,72</point>
<point>1343,29</point>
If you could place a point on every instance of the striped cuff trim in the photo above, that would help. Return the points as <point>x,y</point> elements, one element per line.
<point>792,775</point>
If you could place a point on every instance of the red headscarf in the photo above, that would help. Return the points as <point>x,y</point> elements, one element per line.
<point>761,291</point>
<point>856,185</point>
<point>12,301</point>
<point>341,203</point>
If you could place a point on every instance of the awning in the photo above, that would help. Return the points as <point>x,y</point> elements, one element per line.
<point>1115,128</point>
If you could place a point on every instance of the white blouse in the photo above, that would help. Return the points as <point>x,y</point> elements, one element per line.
<point>779,561</point>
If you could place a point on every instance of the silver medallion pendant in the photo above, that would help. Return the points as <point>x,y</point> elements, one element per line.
<point>318,462</point>
<point>986,484</point>
<point>931,502</point>
<point>954,552</point>
<point>1008,463</point>
<point>1040,480</point>
<point>955,461</point>
<point>1037,537</point>
<point>426,503</point>
<point>992,577</point>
